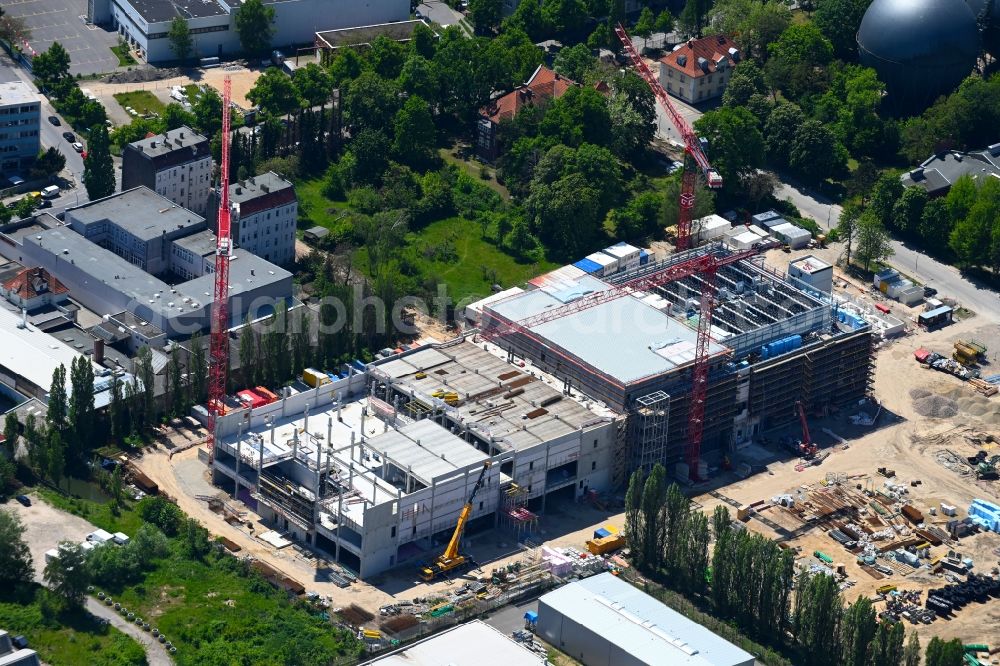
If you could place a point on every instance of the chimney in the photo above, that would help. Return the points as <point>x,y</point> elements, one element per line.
<point>24,319</point>
<point>98,351</point>
<point>182,134</point>
<point>152,144</point>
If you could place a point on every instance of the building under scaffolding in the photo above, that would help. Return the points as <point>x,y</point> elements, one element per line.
<point>773,343</point>
<point>375,468</point>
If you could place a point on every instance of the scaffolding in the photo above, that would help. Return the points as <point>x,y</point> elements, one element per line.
<point>515,515</point>
<point>651,418</point>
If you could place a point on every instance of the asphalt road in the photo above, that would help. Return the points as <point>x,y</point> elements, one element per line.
<point>63,21</point>
<point>948,280</point>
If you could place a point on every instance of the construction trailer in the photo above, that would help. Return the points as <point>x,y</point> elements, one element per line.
<point>773,343</point>
<point>375,470</point>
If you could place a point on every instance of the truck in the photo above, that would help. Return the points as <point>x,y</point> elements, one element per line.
<point>451,559</point>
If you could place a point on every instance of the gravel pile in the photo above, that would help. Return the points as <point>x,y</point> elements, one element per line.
<point>142,74</point>
<point>917,393</point>
<point>935,406</point>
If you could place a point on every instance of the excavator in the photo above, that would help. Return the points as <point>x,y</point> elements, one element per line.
<point>450,559</point>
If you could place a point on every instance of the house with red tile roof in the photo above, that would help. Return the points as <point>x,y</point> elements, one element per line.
<point>699,69</point>
<point>543,85</point>
<point>33,288</point>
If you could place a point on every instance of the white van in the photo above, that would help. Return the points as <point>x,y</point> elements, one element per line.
<point>50,192</point>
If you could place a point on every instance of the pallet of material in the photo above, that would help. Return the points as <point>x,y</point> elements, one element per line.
<point>230,545</point>
<point>930,535</point>
<point>983,387</point>
<point>871,571</point>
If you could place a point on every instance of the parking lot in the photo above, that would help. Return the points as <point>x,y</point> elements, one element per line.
<point>63,21</point>
<point>45,527</point>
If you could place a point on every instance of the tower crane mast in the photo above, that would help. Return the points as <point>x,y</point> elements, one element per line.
<point>694,154</point>
<point>219,342</point>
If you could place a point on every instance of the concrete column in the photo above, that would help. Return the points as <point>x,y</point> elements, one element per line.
<point>295,444</point>
<point>305,422</point>
<point>433,493</point>
<point>363,412</point>
<point>340,406</point>
<point>239,454</point>
<point>545,475</point>
<point>340,519</point>
<point>352,446</point>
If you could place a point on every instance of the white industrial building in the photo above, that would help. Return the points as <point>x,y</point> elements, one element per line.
<point>20,117</point>
<point>374,469</point>
<point>145,24</point>
<point>604,621</point>
<point>471,644</point>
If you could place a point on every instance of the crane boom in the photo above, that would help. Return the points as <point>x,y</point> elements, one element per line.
<point>694,153</point>
<point>219,343</point>
<point>451,559</point>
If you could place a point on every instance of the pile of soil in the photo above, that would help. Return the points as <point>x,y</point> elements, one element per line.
<point>142,74</point>
<point>935,406</point>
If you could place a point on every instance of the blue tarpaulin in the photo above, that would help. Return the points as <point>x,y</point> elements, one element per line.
<point>588,266</point>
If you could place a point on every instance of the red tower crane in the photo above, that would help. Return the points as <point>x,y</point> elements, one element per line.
<point>694,154</point>
<point>219,345</point>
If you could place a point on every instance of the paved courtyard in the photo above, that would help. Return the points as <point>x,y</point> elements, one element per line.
<point>63,21</point>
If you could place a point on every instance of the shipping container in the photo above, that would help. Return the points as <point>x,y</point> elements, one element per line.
<point>314,378</point>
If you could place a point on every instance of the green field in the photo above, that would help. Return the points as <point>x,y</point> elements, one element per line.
<point>68,639</point>
<point>317,210</point>
<point>143,101</point>
<point>124,57</point>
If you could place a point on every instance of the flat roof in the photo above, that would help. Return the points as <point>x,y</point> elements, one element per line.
<point>247,271</point>
<point>175,139</point>
<point>471,644</point>
<point>16,92</point>
<point>640,625</point>
<point>202,243</point>
<point>399,31</point>
<point>162,11</point>
<point>647,341</point>
<point>140,211</point>
<point>255,186</point>
<point>810,264</point>
<point>31,353</point>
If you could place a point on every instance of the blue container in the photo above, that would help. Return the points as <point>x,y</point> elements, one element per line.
<point>358,365</point>
<point>794,342</point>
<point>643,257</point>
<point>600,533</point>
<point>765,352</point>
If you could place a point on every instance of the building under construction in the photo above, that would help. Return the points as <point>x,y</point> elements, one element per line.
<point>374,468</point>
<point>775,341</point>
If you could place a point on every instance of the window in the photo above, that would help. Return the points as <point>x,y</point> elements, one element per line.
<point>393,532</point>
<point>480,506</point>
<point>595,443</point>
<point>581,484</point>
<point>531,465</point>
<point>593,466</point>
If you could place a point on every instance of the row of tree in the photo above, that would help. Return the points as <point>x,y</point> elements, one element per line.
<point>749,580</point>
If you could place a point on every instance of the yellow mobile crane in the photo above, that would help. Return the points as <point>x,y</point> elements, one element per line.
<point>450,559</point>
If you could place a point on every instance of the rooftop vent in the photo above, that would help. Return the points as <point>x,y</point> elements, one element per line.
<point>682,60</point>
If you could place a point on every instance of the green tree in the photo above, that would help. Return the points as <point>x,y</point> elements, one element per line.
<point>817,619</point>
<point>175,385</point>
<point>857,632</point>
<point>194,539</point>
<point>255,26</point>
<point>146,377</point>
<point>909,210</point>
<point>566,17</point>
<point>973,237</point>
<point>371,102</point>
<point>646,23</point>
<point>98,169</point>
<point>370,148</point>
<point>795,59</point>
<point>198,369</point>
<point>839,21</point>
<point>816,153</point>
<point>274,92</point>
<point>162,513</point>
<point>419,77</point>
<point>25,207</point>
<point>314,84</point>
<point>51,68</point>
<point>944,653</point>
<point>704,201</point>
<point>872,239</point>
<point>181,42</point>
<point>81,413</point>
<point>175,116</point>
<point>415,136</point>
<point>250,368</point>
<point>735,145</point>
<point>579,116</point>
<point>847,228</point>
<point>346,66</point>
<point>887,191</point>
<point>48,163</point>
<point>56,414</point>
<point>13,28</point>
<point>116,488</point>
<point>935,226</point>
<point>67,575</point>
<point>116,411</point>
<point>55,455</point>
<point>746,80</point>
<point>693,17</point>
<point>632,113</point>
<point>386,56</point>
<point>528,17</point>
<point>779,132</point>
<point>423,42</point>
<point>574,62</point>
<point>911,654</point>
<point>15,558</point>
<point>519,239</point>
<point>887,647</point>
<point>723,572</point>
<point>753,24</point>
<point>862,179</point>
<point>637,219</point>
<point>654,494</point>
<point>11,431</point>
<point>485,15</point>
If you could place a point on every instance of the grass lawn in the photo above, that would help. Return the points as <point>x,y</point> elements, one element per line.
<point>142,101</point>
<point>124,57</point>
<point>193,91</point>
<point>315,209</point>
<point>474,263</point>
<point>126,520</point>
<point>472,167</point>
<point>70,639</point>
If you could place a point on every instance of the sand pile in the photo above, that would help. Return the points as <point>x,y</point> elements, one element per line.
<point>935,406</point>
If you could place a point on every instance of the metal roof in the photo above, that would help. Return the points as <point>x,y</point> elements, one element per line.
<point>426,450</point>
<point>140,211</point>
<point>472,644</point>
<point>639,624</point>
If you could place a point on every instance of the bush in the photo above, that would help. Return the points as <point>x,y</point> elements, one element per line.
<point>165,515</point>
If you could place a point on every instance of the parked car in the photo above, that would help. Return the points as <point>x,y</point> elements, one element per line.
<point>69,136</point>
<point>23,499</point>
<point>77,146</point>
<point>55,120</point>
<point>930,292</point>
